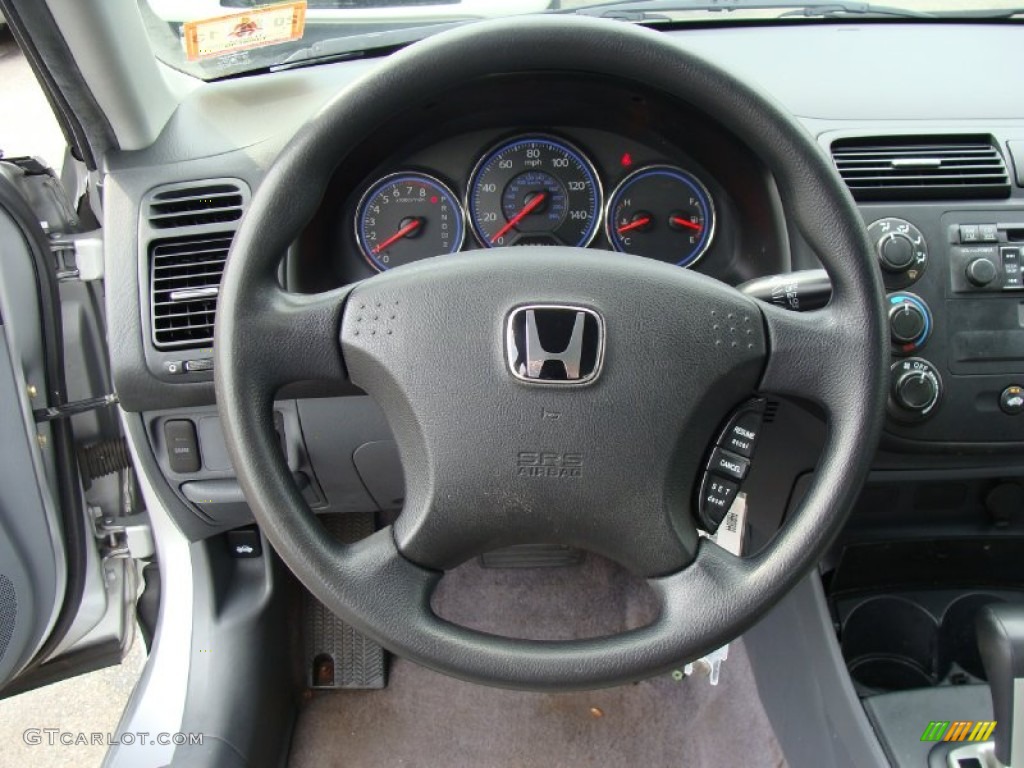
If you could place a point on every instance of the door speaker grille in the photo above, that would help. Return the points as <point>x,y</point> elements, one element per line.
<point>8,612</point>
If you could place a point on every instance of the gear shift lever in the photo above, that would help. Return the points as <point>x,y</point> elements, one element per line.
<point>1001,643</point>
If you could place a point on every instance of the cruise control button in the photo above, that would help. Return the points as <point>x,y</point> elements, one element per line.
<point>716,497</point>
<point>728,464</point>
<point>742,433</point>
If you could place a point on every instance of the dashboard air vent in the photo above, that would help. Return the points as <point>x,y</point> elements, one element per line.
<point>195,205</point>
<point>185,281</point>
<point>921,167</point>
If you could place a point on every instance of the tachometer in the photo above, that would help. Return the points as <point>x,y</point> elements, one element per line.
<point>408,216</point>
<point>534,190</point>
<point>661,212</point>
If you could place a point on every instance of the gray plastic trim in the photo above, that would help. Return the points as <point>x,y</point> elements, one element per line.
<point>803,683</point>
<point>111,48</point>
<point>158,702</point>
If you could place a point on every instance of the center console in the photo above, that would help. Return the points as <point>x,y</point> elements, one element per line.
<point>956,317</point>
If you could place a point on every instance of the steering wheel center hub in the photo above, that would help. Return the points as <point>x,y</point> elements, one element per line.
<point>551,394</point>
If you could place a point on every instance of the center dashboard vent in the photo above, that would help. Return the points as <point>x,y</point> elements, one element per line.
<point>187,230</point>
<point>921,167</point>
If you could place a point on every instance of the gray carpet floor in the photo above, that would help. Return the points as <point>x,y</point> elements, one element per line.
<point>427,720</point>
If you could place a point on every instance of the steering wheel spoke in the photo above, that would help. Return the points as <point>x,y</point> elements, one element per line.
<point>805,354</point>
<point>290,336</point>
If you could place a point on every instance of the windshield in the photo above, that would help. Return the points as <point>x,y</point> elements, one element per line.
<point>212,39</point>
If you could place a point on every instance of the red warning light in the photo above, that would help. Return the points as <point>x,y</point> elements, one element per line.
<point>434,199</point>
<point>626,160</point>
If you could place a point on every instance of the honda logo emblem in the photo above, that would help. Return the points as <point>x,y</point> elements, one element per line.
<point>555,344</point>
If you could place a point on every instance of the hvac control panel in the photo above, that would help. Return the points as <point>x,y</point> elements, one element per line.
<point>955,302</point>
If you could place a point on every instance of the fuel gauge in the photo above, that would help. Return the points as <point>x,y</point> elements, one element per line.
<point>661,212</point>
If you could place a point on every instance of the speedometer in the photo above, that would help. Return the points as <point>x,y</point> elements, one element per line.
<point>534,190</point>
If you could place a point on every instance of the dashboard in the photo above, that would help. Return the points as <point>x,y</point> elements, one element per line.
<point>616,167</point>
<point>929,141</point>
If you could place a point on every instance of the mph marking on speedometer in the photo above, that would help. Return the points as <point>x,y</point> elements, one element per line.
<point>534,190</point>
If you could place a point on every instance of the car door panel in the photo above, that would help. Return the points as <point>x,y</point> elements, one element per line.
<point>33,571</point>
<point>56,586</point>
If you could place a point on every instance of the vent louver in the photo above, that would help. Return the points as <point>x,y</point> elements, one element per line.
<point>921,168</point>
<point>195,205</point>
<point>185,281</point>
<point>185,235</point>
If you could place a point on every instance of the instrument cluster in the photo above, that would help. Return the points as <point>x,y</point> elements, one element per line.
<point>535,189</point>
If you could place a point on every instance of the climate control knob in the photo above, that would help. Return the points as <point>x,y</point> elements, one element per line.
<point>901,250</point>
<point>896,252</point>
<point>916,390</point>
<point>910,322</point>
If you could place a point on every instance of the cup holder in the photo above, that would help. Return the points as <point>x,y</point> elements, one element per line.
<point>891,644</point>
<point>957,640</point>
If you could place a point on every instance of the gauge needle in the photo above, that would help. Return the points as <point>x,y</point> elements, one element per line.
<point>405,231</point>
<point>643,221</point>
<point>679,221</point>
<point>520,216</point>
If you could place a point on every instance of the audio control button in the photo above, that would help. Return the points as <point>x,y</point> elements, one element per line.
<point>1011,268</point>
<point>969,233</point>
<point>981,272</point>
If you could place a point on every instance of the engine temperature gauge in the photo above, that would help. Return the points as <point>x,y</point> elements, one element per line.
<point>661,212</point>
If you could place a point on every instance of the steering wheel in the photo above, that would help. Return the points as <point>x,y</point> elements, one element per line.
<point>674,352</point>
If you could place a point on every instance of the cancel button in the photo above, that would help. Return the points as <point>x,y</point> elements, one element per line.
<point>728,464</point>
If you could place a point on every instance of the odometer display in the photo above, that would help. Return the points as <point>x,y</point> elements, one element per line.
<point>534,190</point>
<point>408,216</point>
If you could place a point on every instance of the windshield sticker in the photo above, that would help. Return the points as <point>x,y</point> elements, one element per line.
<point>256,28</point>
